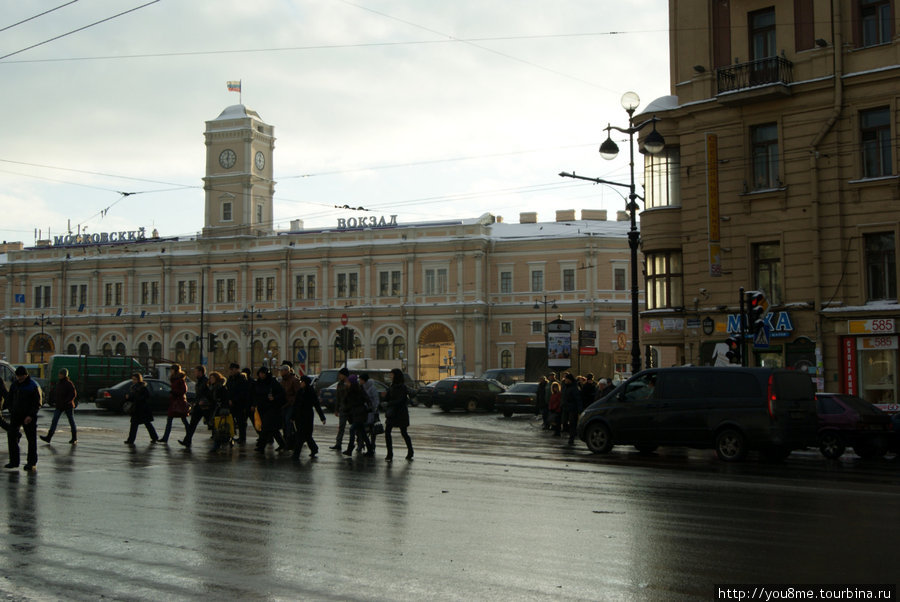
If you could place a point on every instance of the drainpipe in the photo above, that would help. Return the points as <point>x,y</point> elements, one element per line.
<point>814,215</point>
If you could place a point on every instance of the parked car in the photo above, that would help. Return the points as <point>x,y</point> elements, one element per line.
<point>521,398</point>
<point>425,393</point>
<point>730,409</point>
<point>328,395</point>
<point>505,376</point>
<point>469,394</point>
<point>113,398</point>
<point>845,420</point>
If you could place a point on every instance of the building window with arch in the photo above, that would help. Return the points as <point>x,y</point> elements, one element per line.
<point>107,349</point>
<point>121,349</point>
<point>506,359</point>
<point>180,353</point>
<point>313,357</point>
<point>71,349</point>
<point>272,353</point>
<point>85,349</point>
<point>144,354</point>
<point>398,348</point>
<point>664,280</point>
<point>156,351</point>
<point>381,348</point>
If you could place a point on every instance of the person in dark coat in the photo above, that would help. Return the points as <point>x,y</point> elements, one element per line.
<point>397,415</point>
<point>220,412</point>
<point>267,397</point>
<point>141,410</point>
<point>305,401</point>
<point>3,393</point>
<point>64,394</point>
<point>571,405</point>
<point>178,407</point>
<point>239,393</point>
<point>339,395</point>
<point>356,407</point>
<point>542,400</point>
<point>202,405</point>
<point>23,403</point>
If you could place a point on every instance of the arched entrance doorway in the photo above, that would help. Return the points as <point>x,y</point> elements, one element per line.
<point>40,348</point>
<point>436,353</point>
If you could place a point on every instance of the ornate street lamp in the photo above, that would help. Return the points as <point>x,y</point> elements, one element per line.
<point>537,305</point>
<point>653,144</point>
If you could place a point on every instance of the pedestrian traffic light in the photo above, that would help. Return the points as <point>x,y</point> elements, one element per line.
<point>757,306</point>
<point>734,349</point>
<point>339,339</point>
<point>213,341</point>
<point>350,334</point>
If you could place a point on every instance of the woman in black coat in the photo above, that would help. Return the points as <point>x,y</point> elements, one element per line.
<point>397,414</point>
<point>267,396</point>
<point>304,419</point>
<point>141,411</point>
<point>357,408</point>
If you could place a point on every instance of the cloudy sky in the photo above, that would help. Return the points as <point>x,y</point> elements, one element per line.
<point>423,109</point>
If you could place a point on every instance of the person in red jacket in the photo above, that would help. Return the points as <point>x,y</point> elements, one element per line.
<point>178,405</point>
<point>64,395</point>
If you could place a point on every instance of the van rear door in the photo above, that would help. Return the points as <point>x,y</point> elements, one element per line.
<point>791,399</point>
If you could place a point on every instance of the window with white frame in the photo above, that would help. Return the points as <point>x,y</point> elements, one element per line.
<point>537,327</point>
<point>506,283</point>
<point>226,211</point>
<point>305,287</point>
<point>662,180</point>
<point>389,283</point>
<point>436,281</point>
<point>506,359</point>
<point>537,280</point>
<point>505,327</point>
<point>568,279</point>
<point>619,280</point>
<point>113,294</point>
<point>42,296</point>
<point>347,285</point>
<point>225,290</point>
<point>270,288</point>
<point>77,295</point>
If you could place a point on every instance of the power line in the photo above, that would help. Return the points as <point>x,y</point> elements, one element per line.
<point>79,29</point>
<point>38,15</point>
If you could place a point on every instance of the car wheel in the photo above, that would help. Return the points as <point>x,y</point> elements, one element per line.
<point>472,405</point>
<point>127,407</point>
<point>831,445</point>
<point>428,404</point>
<point>731,445</point>
<point>646,448</point>
<point>598,438</point>
<point>507,414</point>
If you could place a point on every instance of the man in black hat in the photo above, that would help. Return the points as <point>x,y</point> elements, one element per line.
<point>23,402</point>
<point>339,396</point>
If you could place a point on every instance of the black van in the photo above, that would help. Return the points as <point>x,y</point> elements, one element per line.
<point>730,409</point>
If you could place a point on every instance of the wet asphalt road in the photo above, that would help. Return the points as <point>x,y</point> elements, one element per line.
<point>490,509</point>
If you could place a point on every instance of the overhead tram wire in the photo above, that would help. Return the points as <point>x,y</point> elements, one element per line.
<point>131,10</point>
<point>38,15</point>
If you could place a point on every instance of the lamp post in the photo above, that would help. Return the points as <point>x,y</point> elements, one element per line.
<point>43,341</point>
<point>251,315</point>
<point>537,305</point>
<point>653,144</point>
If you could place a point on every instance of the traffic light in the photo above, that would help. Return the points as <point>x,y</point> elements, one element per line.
<point>349,340</point>
<point>213,341</point>
<point>339,339</point>
<point>734,349</point>
<point>757,306</point>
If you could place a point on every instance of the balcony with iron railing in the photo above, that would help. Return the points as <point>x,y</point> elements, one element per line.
<point>761,78</point>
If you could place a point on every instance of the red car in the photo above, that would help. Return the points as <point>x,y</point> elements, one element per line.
<point>845,420</point>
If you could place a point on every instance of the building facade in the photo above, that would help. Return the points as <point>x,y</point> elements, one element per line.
<point>452,297</point>
<point>780,175</point>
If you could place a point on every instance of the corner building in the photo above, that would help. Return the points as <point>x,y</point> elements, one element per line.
<point>780,175</point>
<point>450,297</point>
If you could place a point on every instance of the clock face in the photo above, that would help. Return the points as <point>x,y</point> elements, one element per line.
<point>260,160</point>
<point>227,158</point>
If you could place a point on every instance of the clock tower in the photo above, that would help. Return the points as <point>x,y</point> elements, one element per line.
<point>238,182</point>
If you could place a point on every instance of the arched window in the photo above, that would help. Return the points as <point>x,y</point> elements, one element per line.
<point>313,357</point>
<point>256,355</point>
<point>358,350</point>
<point>106,349</point>
<point>144,354</point>
<point>120,349</point>
<point>156,351</point>
<point>85,349</point>
<point>232,354</point>
<point>71,349</point>
<point>180,353</point>
<point>506,358</point>
<point>398,347</point>
<point>296,348</point>
<point>381,348</point>
<point>193,356</point>
<point>272,354</point>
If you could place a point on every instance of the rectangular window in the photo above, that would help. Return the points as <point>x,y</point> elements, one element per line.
<point>881,266</point>
<point>875,135</point>
<point>108,294</point>
<point>154,293</point>
<point>764,151</point>
<point>192,291</point>
<point>662,178</point>
<point>874,22</point>
<point>118,289</point>
<point>664,280</point>
<point>145,293</point>
<point>41,296</point>
<point>230,290</point>
<point>568,275</point>
<point>767,262</point>
<point>77,295</point>
<point>762,33</point>
<point>537,281</point>
<point>537,327</point>
<point>619,283</point>
<point>436,281</point>
<point>347,285</point>
<point>182,292</point>
<point>226,211</point>
<point>505,327</point>
<point>804,25</point>
<point>621,325</point>
<point>506,283</point>
<point>259,285</point>
<point>270,288</point>
<point>220,290</point>
<point>389,283</point>
<point>259,214</point>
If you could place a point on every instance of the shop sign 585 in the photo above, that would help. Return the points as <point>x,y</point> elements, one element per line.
<point>873,326</point>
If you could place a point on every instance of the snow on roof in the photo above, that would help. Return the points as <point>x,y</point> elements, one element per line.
<point>503,230</point>
<point>237,112</point>
<point>663,103</point>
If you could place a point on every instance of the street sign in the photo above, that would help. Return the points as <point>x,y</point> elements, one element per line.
<point>344,319</point>
<point>301,355</point>
<point>761,338</point>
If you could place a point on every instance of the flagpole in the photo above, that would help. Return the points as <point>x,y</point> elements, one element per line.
<point>240,92</point>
